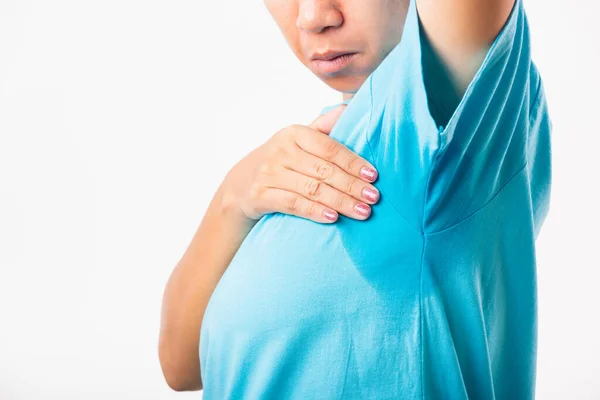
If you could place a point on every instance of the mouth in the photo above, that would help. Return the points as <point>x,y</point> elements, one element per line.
<point>329,55</point>
<point>332,62</point>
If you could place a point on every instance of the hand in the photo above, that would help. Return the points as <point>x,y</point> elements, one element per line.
<point>302,171</point>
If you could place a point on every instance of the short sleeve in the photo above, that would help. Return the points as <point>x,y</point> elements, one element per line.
<point>437,176</point>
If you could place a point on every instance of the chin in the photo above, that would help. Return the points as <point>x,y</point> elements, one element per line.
<point>348,84</point>
<point>348,81</point>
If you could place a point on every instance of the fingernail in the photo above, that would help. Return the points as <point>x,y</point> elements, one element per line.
<point>368,173</point>
<point>330,214</point>
<point>370,194</point>
<point>362,209</point>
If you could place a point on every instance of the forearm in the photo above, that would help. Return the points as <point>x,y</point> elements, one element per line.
<point>190,286</point>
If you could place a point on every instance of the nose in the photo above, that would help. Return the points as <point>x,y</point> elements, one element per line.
<point>316,16</point>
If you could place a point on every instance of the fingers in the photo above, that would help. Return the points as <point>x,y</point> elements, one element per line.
<point>318,191</point>
<point>308,174</point>
<point>332,175</point>
<point>333,151</point>
<point>287,202</point>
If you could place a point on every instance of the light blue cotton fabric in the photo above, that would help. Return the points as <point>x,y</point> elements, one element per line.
<point>433,296</point>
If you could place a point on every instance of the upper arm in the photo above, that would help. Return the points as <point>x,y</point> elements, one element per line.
<point>462,32</point>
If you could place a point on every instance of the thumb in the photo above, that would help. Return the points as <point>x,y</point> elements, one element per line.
<point>324,123</point>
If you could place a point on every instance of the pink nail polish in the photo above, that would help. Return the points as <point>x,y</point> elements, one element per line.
<point>330,215</point>
<point>362,209</point>
<point>370,194</point>
<point>368,173</point>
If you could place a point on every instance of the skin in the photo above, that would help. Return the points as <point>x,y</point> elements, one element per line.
<point>460,31</point>
<point>371,28</point>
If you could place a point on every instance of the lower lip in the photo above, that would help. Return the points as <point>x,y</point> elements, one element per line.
<point>335,65</point>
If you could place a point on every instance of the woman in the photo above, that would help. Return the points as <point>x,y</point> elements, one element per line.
<point>431,291</point>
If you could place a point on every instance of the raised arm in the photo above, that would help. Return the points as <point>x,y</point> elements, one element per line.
<point>462,31</point>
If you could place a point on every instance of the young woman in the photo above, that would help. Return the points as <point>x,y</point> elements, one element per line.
<point>421,288</point>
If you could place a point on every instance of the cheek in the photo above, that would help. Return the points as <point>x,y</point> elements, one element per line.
<point>284,13</point>
<point>290,35</point>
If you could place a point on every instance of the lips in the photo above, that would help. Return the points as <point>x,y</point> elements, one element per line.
<point>336,64</point>
<point>330,55</point>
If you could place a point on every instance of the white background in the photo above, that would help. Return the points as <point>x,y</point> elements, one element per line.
<point>118,120</point>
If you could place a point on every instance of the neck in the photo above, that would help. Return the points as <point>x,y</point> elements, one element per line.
<point>347,96</point>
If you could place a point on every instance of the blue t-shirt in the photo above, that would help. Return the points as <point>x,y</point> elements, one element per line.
<point>434,295</point>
